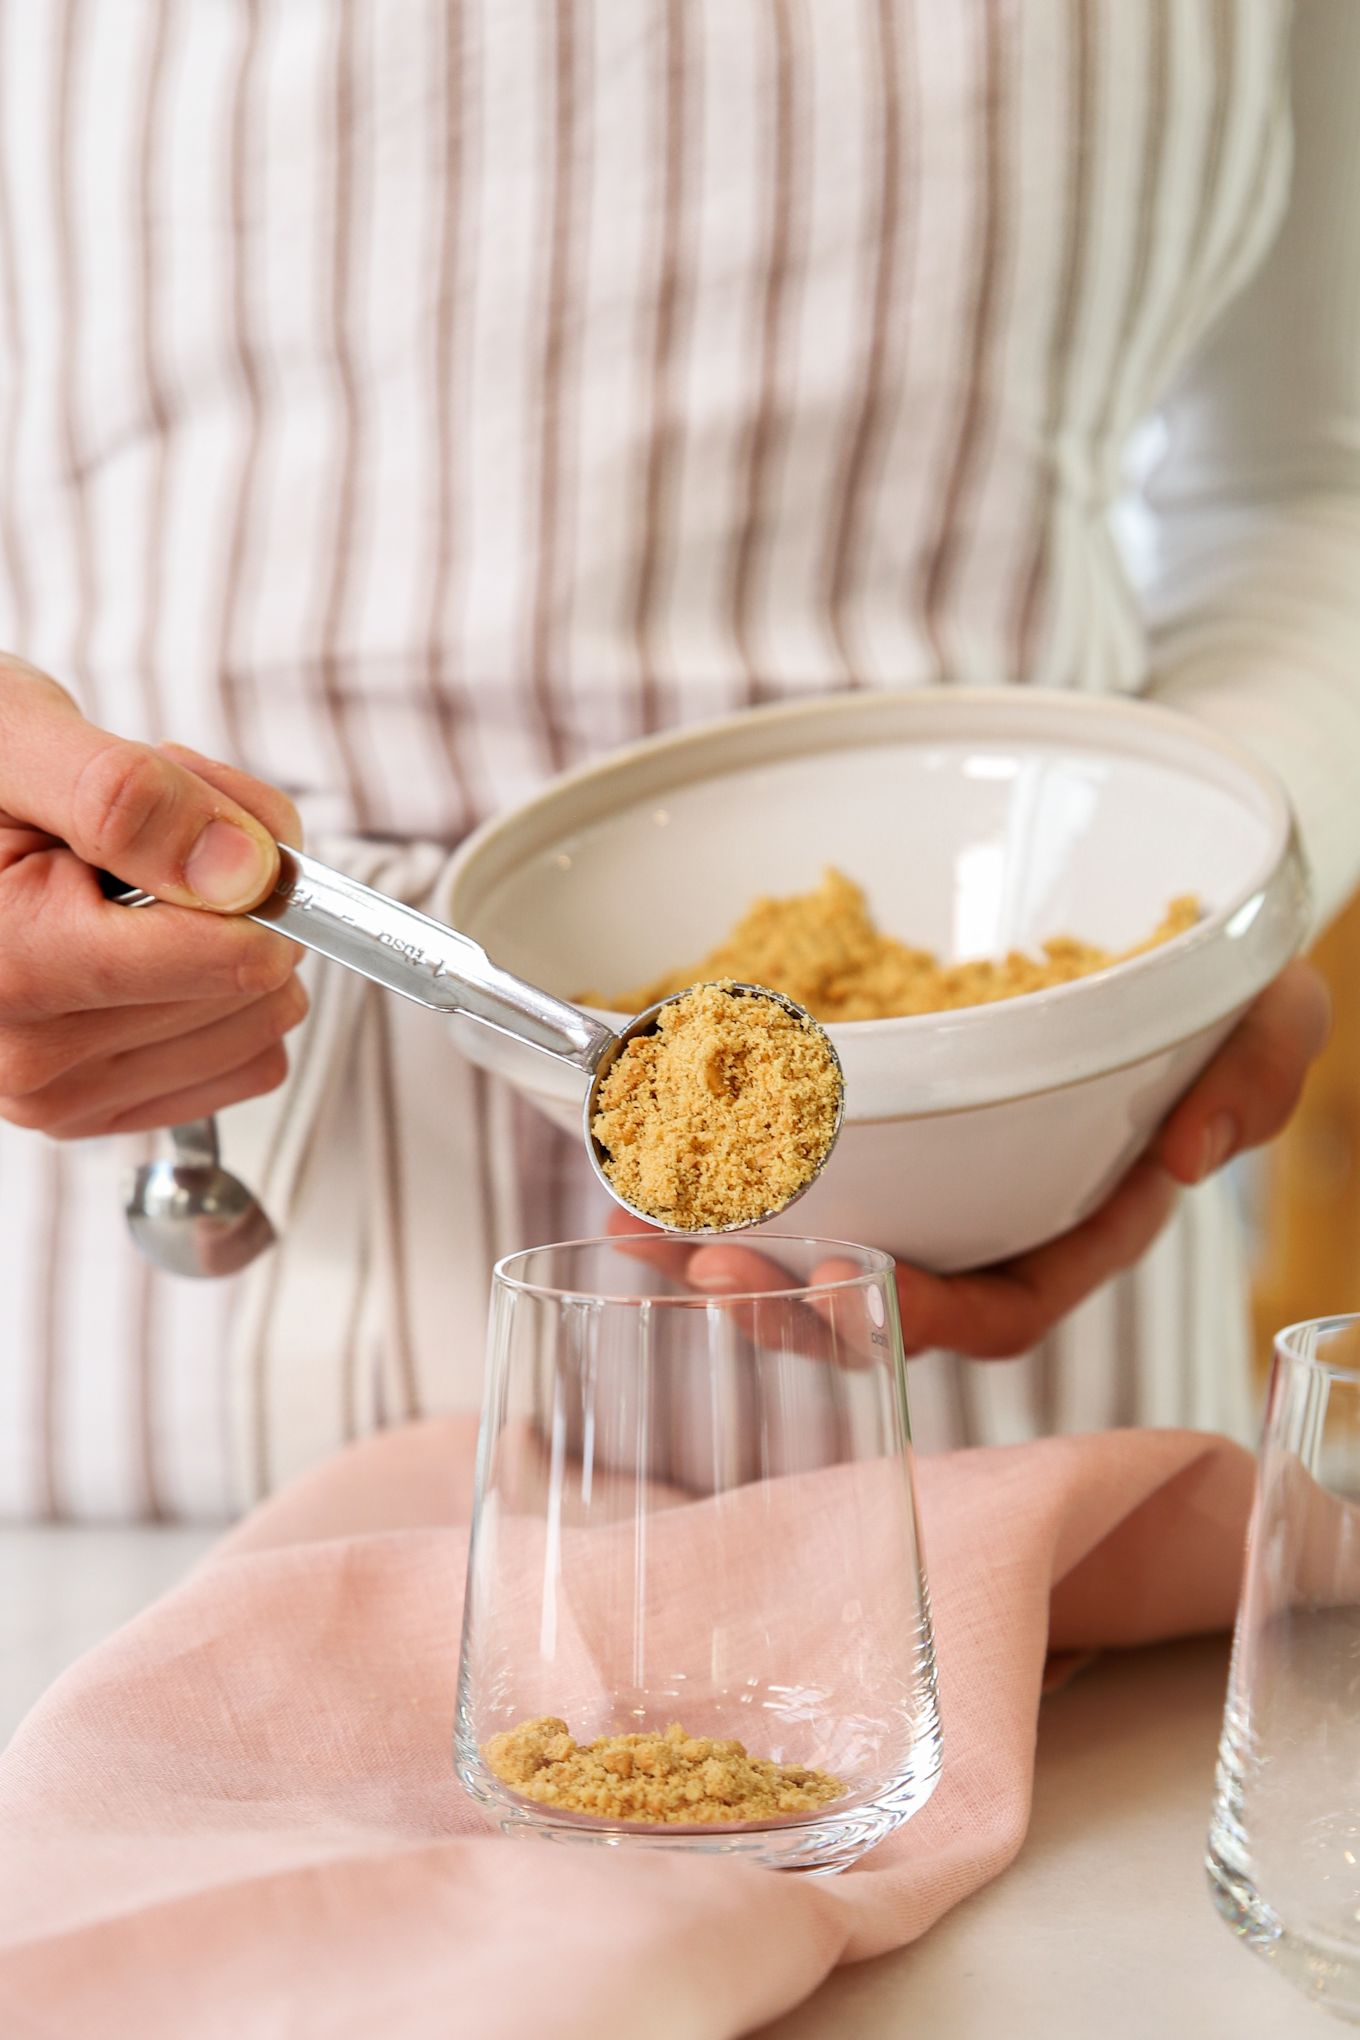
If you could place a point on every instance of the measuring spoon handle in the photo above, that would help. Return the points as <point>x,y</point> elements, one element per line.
<point>419,958</point>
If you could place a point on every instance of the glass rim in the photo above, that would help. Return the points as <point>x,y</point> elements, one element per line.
<point>1287,1344</point>
<point>881,1264</point>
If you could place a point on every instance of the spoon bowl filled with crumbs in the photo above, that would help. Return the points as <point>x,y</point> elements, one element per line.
<point>716,1108</point>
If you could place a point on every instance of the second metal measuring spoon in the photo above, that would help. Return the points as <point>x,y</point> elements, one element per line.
<point>410,953</point>
<point>188,1214</point>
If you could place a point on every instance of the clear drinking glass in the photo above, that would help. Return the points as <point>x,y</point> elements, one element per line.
<point>1284,1839</point>
<point>700,1510</point>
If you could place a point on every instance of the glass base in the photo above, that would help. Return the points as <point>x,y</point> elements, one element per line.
<point>818,1846</point>
<point>1326,1972</point>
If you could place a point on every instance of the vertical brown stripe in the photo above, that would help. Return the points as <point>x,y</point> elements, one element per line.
<point>153,1508</point>
<point>153,381</point>
<point>1081,133</point>
<point>761,439</point>
<point>490,1162</point>
<point>244,154</point>
<point>1224,58</point>
<point>544,631</point>
<point>974,1403</point>
<point>52,1501</point>
<point>960,1412</point>
<point>940,557</point>
<point>1127,1357</point>
<point>1157,44</point>
<point>11,542</point>
<point>1046,1358</point>
<point>452,280</point>
<point>1189,1263</point>
<point>228,1401</point>
<point>1187,300</point>
<point>662,470</point>
<point>1249,212</point>
<point>336,687</point>
<point>69,323</point>
<point>301,1049</point>
<point>394,1207</point>
<point>485,1161</point>
<point>558,1226</point>
<point>261,1442</point>
<point>535,1147</point>
<point>349,1360</point>
<point>869,417</point>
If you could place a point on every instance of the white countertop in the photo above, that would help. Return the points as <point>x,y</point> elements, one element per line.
<point>1102,1930</point>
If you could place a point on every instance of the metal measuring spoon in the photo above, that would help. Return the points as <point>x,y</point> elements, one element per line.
<point>188,1214</point>
<point>410,953</point>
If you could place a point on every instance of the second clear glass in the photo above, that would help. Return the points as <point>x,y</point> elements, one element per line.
<point>1284,1837</point>
<point>700,1509</point>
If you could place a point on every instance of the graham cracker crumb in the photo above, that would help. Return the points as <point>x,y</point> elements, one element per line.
<point>722,1114</point>
<point>659,1779</point>
<point>823,949</point>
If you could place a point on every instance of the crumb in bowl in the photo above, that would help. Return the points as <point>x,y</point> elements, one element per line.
<point>721,1115</point>
<point>824,950</point>
<point>662,1780</point>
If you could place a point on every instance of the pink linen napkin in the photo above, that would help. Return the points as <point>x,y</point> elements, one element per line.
<point>238,1818</point>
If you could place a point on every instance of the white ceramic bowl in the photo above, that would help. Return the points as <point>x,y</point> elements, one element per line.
<point>977,822</point>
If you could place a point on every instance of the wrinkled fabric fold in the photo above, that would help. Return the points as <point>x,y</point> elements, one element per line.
<point>244,1802</point>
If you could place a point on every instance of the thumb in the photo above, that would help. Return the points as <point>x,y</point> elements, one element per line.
<point>124,806</point>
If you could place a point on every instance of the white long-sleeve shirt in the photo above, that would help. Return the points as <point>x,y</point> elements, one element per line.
<point>409,399</point>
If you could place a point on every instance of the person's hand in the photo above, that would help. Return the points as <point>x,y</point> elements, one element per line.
<point>1244,1098</point>
<point>111,1020</point>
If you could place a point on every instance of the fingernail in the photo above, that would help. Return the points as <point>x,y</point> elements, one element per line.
<point>1220,1138</point>
<point>227,868</point>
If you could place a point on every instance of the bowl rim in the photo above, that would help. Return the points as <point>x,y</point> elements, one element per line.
<point>929,703</point>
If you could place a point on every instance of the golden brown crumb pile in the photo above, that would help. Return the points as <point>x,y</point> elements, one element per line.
<point>722,1114</point>
<point>661,1779</point>
<point>823,949</point>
